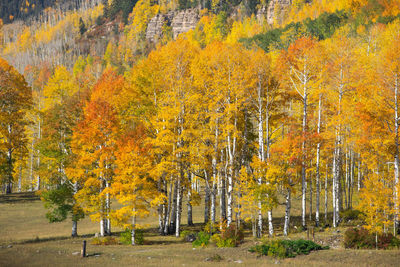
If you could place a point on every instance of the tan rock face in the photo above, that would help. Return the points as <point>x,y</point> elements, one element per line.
<point>180,22</point>
<point>275,8</point>
<point>184,21</point>
<point>154,28</point>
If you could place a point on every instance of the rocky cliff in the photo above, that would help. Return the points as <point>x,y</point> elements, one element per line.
<point>179,21</point>
<point>276,10</point>
<point>183,21</point>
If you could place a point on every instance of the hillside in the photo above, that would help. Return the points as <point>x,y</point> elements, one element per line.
<point>23,10</point>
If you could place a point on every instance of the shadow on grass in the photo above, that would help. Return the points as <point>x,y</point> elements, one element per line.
<point>19,197</point>
<point>47,239</point>
<point>96,254</point>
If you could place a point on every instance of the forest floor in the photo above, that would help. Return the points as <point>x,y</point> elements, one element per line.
<point>27,239</point>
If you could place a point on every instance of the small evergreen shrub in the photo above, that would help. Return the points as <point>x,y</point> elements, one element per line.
<point>126,237</point>
<point>360,238</point>
<point>202,240</point>
<point>286,248</point>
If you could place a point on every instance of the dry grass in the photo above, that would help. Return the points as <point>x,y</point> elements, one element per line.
<point>22,221</point>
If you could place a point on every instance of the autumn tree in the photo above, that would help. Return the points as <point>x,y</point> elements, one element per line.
<point>303,75</point>
<point>16,100</point>
<point>94,144</point>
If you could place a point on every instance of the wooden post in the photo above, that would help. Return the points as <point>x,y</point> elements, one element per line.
<point>83,251</point>
<point>313,234</point>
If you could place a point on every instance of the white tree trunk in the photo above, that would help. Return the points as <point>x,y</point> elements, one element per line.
<point>168,213</point>
<point>326,194</point>
<point>303,162</point>
<point>287,212</point>
<point>270,225</point>
<point>396,157</point>
<point>20,179</point>
<point>74,228</point>
<point>189,204</point>
<point>178,209</point>
<point>317,176</point>
<point>260,155</point>
<point>133,231</point>
<point>108,209</point>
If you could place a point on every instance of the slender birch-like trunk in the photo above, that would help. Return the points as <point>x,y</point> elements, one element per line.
<point>334,188</point>
<point>74,232</point>
<point>108,209</point>
<point>133,231</point>
<point>303,161</point>
<point>207,199</point>
<point>38,155</point>
<point>20,179</point>
<point>213,201</point>
<point>311,198</point>
<point>396,156</point>
<point>189,204</point>
<point>231,152</point>
<point>173,209</point>
<point>260,155</point>
<point>317,175</point>
<point>168,213</point>
<point>268,155</point>
<point>287,212</point>
<point>178,207</point>
<point>326,194</point>
<point>359,175</point>
<point>222,201</point>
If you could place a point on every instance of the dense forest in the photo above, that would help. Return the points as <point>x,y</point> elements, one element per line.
<point>243,106</point>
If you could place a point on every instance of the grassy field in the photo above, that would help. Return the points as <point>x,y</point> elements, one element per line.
<point>27,239</point>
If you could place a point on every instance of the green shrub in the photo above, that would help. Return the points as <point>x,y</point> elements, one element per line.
<point>229,237</point>
<point>202,240</point>
<point>350,214</point>
<point>108,240</point>
<point>352,217</point>
<point>277,249</point>
<point>223,243</point>
<point>233,233</point>
<point>210,227</point>
<point>216,257</point>
<point>286,248</point>
<point>185,234</point>
<point>126,237</point>
<point>360,238</point>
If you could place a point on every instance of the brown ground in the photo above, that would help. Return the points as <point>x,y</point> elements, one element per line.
<point>27,239</point>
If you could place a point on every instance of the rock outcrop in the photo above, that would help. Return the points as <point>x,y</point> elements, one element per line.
<point>276,10</point>
<point>179,21</point>
<point>184,21</point>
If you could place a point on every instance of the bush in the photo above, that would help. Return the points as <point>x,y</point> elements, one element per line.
<point>210,227</point>
<point>233,233</point>
<point>126,237</point>
<point>229,237</point>
<point>286,248</point>
<point>352,217</point>
<point>202,240</point>
<point>188,236</point>
<point>109,240</point>
<point>222,243</point>
<point>360,238</point>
